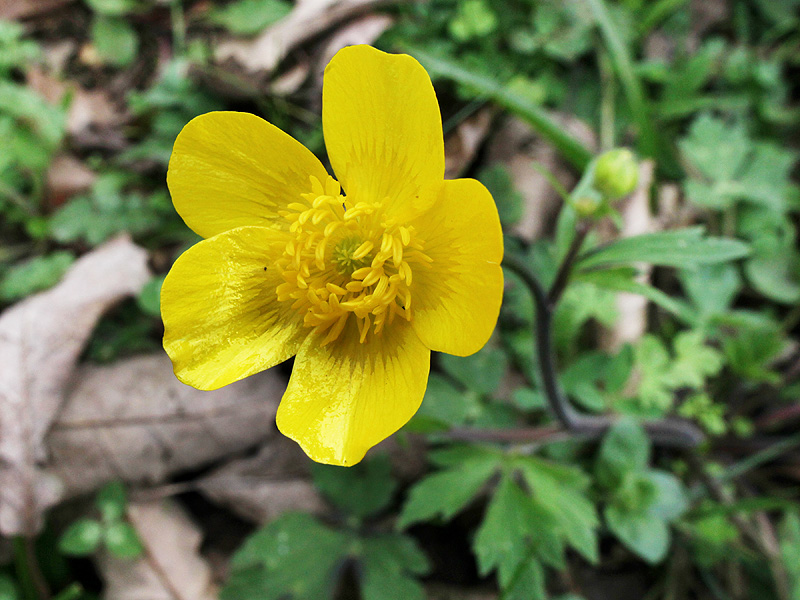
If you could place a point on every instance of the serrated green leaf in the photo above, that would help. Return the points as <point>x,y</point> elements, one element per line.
<point>445,493</point>
<point>34,275</point>
<point>122,540</point>
<point>361,490</point>
<point>652,359</point>
<point>388,564</point>
<point>679,248</point>
<point>501,541</point>
<point>643,533</point>
<point>561,490</point>
<point>527,583</point>
<point>694,360</point>
<point>81,538</point>
<point>273,563</point>
<point>249,17</point>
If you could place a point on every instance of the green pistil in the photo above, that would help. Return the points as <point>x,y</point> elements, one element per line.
<point>343,256</point>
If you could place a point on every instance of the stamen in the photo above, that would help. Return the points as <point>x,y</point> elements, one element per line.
<point>346,260</point>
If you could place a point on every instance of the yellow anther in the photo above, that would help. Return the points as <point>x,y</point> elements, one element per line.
<point>363,250</point>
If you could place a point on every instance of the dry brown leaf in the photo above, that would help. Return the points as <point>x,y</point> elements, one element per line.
<point>307,19</point>
<point>463,143</point>
<point>171,567</point>
<point>89,110</point>
<point>518,147</point>
<point>364,30</point>
<point>262,487</point>
<point>135,421</point>
<point>23,9</point>
<point>40,341</point>
<point>66,176</point>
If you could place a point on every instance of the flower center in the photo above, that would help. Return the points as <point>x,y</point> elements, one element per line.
<point>347,258</point>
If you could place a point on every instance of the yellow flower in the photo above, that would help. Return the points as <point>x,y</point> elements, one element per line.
<point>361,287</point>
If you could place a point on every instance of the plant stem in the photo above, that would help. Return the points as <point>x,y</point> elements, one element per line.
<point>27,566</point>
<point>562,277</point>
<point>666,432</point>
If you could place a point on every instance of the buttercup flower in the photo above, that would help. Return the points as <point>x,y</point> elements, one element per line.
<point>360,285</point>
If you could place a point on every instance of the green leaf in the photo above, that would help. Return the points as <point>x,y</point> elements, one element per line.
<point>481,372</point>
<point>717,149</point>
<point>293,556</point>
<point>473,19</point>
<point>671,500</point>
<point>790,549</point>
<point>509,201</point>
<point>388,564</point>
<point>679,248</point>
<point>8,590</point>
<point>652,359</point>
<point>527,583</point>
<point>625,449</point>
<point>34,275</point>
<point>626,279</point>
<point>249,17</point>
<point>643,533</point>
<point>361,490</point>
<point>443,402</point>
<point>561,491</point>
<point>501,542</point>
<point>774,269</point>
<point>81,538</point>
<point>694,360</point>
<point>711,288</point>
<point>751,351</point>
<point>149,298</point>
<point>445,493</point>
<point>112,501</point>
<point>115,40</point>
<point>123,541</point>
<point>114,8</point>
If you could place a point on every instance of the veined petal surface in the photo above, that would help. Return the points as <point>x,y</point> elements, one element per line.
<point>457,300</point>
<point>345,397</point>
<point>382,127</point>
<point>221,316</point>
<point>233,169</point>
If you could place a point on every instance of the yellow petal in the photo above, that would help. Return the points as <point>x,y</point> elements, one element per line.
<point>232,169</point>
<point>345,397</point>
<point>457,300</point>
<point>382,126</point>
<point>221,316</point>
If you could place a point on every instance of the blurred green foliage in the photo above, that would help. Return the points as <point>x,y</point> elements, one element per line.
<point>717,110</point>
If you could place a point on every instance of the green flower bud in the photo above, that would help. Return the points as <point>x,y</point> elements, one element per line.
<point>616,173</point>
<point>587,203</point>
